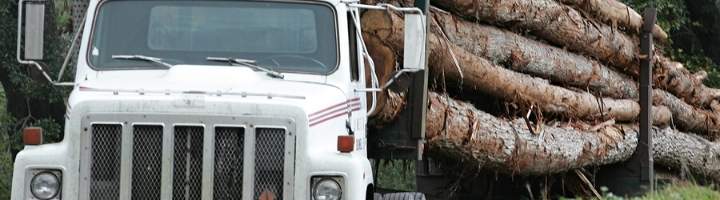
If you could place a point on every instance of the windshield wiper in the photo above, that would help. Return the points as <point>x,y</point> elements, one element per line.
<point>144,58</point>
<point>247,63</point>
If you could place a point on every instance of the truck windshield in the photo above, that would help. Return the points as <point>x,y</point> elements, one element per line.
<point>282,36</point>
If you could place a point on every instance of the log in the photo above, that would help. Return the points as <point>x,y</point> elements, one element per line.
<point>616,13</point>
<point>458,131</point>
<point>555,22</point>
<point>675,78</point>
<point>479,74</point>
<point>537,58</point>
<point>687,152</point>
<point>385,61</point>
<point>689,118</point>
<point>565,27</point>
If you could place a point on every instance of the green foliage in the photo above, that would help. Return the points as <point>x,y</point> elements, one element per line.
<point>26,80</point>
<point>396,175</point>
<point>696,61</point>
<point>673,16</point>
<point>63,14</point>
<point>6,168</point>
<point>5,156</point>
<point>52,130</point>
<point>684,191</point>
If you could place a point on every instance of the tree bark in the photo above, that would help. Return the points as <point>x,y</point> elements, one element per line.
<point>555,22</point>
<point>479,74</point>
<point>675,78</point>
<point>687,152</point>
<point>457,130</point>
<point>384,60</point>
<point>533,57</point>
<point>565,27</point>
<point>689,118</point>
<point>615,13</point>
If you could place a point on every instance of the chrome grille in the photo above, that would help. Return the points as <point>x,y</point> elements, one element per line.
<point>105,161</point>
<point>229,149</point>
<point>187,164</point>
<point>269,161</point>
<point>147,161</point>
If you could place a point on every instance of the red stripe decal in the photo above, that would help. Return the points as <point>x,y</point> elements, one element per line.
<point>339,109</point>
<point>334,106</point>
<point>334,116</point>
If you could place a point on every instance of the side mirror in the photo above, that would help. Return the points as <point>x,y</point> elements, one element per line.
<point>415,33</point>
<point>34,29</point>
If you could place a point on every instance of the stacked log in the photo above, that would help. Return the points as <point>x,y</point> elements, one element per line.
<point>575,60</point>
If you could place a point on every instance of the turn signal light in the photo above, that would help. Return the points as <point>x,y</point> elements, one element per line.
<point>32,136</point>
<point>346,143</point>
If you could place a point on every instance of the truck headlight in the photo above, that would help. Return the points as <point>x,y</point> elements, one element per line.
<point>326,189</point>
<point>45,185</point>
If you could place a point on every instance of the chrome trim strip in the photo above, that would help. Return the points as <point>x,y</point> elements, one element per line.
<point>249,163</point>
<point>126,162</point>
<point>166,180</point>
<point>209,93</point>
<point>208,164</point>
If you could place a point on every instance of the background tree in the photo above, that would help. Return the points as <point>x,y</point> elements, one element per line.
<point>26,98</point>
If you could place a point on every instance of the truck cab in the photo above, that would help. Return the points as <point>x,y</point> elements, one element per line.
<point>213,99</point>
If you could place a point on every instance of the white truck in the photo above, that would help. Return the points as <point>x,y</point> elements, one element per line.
<point>213,99</point>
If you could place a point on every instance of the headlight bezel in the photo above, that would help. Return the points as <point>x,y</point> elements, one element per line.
<point>316,182</point>
<point>33,174</point>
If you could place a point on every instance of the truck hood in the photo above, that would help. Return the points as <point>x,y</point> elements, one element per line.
<point>223,84</point>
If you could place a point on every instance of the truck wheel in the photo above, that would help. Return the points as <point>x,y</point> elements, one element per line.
<point>377,196</point>
<point>404,196</point>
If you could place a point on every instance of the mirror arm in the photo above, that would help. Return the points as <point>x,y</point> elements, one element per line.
<point>390,82</point>
<point>37,65</point>
<point>71,49</point>
<point>383,6</point>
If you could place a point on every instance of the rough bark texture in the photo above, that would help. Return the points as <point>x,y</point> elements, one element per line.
<point>565,26</point>
<point>384,59</point>
<point>689,118</point>
<point>458,130</point>
<point>479,74</point>
<point>675,78</point>
<point>555,22</point>
<point>615,13</point>
<point>687,152</point>
<point>394,103</point>
<point>533,57</point>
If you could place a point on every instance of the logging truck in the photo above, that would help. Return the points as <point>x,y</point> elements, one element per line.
<point>218,100</point>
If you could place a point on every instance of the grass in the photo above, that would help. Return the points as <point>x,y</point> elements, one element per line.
<point>396,175</point>
<point>675,191</point>
<point>683,191</point>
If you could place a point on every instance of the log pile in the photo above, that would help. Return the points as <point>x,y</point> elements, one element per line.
<point>576,62</point>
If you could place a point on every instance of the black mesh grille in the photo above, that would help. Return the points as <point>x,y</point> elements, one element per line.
<point>188,154</point>
<point>229,144</point>
<point>269,161</point>
<point>105,161</point>
<point>147,161</point>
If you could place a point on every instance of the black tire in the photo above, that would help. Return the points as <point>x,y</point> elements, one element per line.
<point>404,196</point>
<point>377,196</point>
